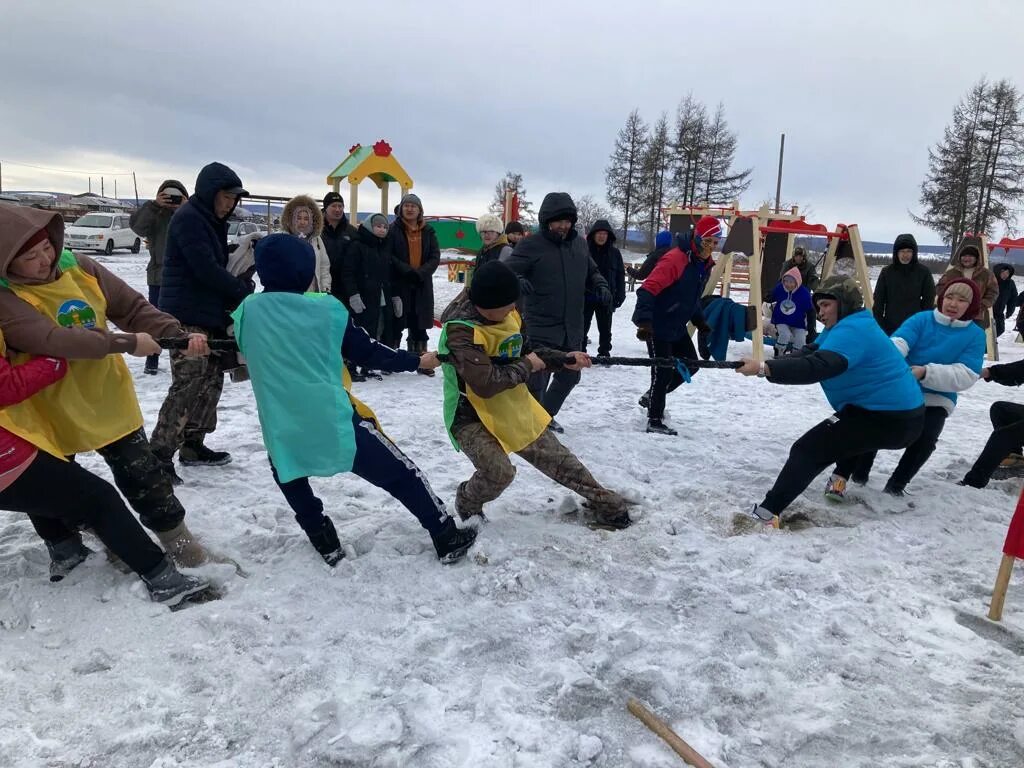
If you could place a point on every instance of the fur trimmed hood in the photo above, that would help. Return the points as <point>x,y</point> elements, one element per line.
<point>302,201</point>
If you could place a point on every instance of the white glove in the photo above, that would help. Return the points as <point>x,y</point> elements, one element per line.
<point>356,302</point>
<point>396,302</point>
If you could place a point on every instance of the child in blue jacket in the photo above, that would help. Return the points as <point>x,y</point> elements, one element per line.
<point>294,344</point>
<point>792,305</point>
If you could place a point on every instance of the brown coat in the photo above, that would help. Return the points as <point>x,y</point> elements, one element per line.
<point>26,330</point>
<point>471,362</point>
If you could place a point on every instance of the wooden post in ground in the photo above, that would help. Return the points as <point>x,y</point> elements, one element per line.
<point>1013,547</point>
<point>830,258</point>
<point>353,201</point>
<point>756,296</point>
<point>861,263</point>
<point>995,611</point>
<point>670,737</point>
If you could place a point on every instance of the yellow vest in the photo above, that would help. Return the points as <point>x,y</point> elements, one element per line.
<point>514,416</point>
<point>94,404</point>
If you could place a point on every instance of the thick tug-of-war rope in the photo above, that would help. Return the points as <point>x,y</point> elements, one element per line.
<point>552,358</point>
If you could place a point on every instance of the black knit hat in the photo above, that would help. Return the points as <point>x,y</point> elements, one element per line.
<point>332,197</point>
<point>515,228</point>
<point>494,285</point>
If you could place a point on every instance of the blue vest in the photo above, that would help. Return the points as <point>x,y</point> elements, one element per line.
<point>877,377</point>
<point>292,346</point>
<point>932,341</point>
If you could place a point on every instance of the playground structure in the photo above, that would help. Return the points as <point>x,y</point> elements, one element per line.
<point>375,163</point>
<point>767,239</point>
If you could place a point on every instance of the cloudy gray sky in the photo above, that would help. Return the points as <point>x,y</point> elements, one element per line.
<point>464,91</point>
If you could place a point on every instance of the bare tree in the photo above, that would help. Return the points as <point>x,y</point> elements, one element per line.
<point>588,211</point>
<point>622,176</point>
<point>513,181</point>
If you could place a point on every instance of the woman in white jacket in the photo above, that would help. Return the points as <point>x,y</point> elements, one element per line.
<point>302,217</point>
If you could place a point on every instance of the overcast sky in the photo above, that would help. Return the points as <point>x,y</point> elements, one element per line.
<point>464,91</point>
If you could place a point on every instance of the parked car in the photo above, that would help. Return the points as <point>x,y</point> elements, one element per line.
<point>101,232</point>
<point>238,228</point>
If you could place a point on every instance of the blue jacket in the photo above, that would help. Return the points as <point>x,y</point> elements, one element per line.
<point>877,377</point>
<point>952,351</point>
<point>728,320</point>
<point>196,287</point>
<point>670,296</point>
<point>801,304</point>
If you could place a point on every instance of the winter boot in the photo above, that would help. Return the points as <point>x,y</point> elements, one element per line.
<point>894,489</point>
<point>325,541</point>
<point>658,427</point>
<point>860,478</point>
<point>169,587</point>
<point>763,516</point>
<point>463,509</point>
<point>835,489</point>
<point>452,543</point>
<point>182,547</point>
<point>195,454</point>
<point>65,556</point>
<point>151,369</point>
<point>610,518</point>
<point>1013,461</point>
<point>555,427</point>
<point>167,467</point>
<point>354,373</point>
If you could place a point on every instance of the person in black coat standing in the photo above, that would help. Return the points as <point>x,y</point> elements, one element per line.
<point>1006,443</point>
<point>336,236</point>
<point>601,241</point>
<point>555,272</point>
<point>1006,301</point>
<point>904,288</point>
<point>366,281</point>
<point>415,257</point>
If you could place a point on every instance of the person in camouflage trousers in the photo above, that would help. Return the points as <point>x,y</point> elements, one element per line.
<point>489,411</point>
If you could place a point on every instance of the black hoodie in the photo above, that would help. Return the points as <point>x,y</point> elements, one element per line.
<point>609,263</point>
<point>902,289</point>
<point>1006,302</point>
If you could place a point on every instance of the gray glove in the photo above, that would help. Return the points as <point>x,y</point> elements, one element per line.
<point>396,303</point>
<point>356,302</point>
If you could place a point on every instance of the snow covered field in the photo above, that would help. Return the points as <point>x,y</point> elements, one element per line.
<point>849,644</point>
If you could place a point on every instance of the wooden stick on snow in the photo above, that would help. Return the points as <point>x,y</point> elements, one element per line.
<point>680,747</point>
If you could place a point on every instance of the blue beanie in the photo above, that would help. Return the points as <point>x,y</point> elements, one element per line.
<point>285,263</point>
<point>663,240</point>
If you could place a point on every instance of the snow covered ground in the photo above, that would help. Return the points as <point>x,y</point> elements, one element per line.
<point>857,643</point>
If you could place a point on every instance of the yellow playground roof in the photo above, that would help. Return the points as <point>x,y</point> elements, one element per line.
<point>375,163</point>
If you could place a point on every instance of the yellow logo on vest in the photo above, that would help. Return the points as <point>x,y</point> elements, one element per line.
<point>75,312</point>
<point>511,347</point>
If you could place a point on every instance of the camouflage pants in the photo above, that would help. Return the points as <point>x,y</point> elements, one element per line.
<point>495,471</point>
<point>189,412</point>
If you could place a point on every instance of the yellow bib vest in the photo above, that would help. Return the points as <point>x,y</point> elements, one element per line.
<point>514,416</point>
<point>94,404</point>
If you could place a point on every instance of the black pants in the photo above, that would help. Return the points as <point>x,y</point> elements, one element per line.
<point>551,389</point>
<point>1006,438</point>
<point>153,361</point>
<point>381,463</point>
<point>667,379</point>
<point>604,326</point>
<point>812,325</point>
<point>137,474</point>
<point>60,497</point>
<point>917,453</point>
<point>842,436</point>
<point>410,320</point>
<point>999,315</point>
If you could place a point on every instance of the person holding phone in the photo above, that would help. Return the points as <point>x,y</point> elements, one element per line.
<point>151,222</point>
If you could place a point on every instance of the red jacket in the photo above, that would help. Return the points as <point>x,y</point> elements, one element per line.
<point>17,383</point>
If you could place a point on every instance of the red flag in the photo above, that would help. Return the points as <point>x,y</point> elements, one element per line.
<point>1014,545</point>
<point>513,215</point>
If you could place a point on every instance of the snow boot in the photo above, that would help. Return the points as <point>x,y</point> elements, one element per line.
<point>452,543</point>
<point>835,489</point>
<point>610,519</point>
<point>195,454</point>
<point>555,427</point>
<point>65,556</point>
<point>182,547</point>
<point>325,541</point>
<point>152,370</point>
<point>1013,461</point>
<point>763,516</point>
<point>860,478</point>
<point>658,427</point>
<point>892,489</point>
<point>462,512</point>
<point>169,587</point>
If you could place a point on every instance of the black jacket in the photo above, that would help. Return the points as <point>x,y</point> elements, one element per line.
<point>1009,374</point>
<point>555,275</point>
<point>151,221</point>
<point>651,261</point>
<point>366,270</point>
<point>902,290</point>
<point>609,263</point>
<point>415,286</point>
<point>337,240</point>
<point>196,287</point>
<point>1006,301</point>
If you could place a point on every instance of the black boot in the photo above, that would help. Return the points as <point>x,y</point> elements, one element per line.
<point>325,541</point>
<point>357,377</point>
<point>195,454</point>
<point>168,586</point>
<point>65,556</point>
<point>452,543</point>
<point>894,489</point>
<point>658,427</point>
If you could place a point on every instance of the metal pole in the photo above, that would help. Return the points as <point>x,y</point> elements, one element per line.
<point>778,184</point>
<point>1,177</point>
<point>102,192</point>
<point>136,183</point>
<point>115,187</point>
<point>90,185</point>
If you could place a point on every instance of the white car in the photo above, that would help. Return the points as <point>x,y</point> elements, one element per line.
<point>237,229</point>
<point>101,232</point>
